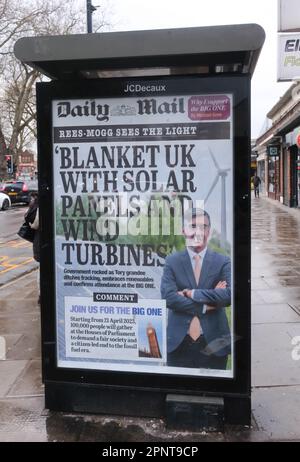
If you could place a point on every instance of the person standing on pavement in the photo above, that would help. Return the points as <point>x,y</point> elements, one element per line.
<point>256,183</point>
<point>32,217</point>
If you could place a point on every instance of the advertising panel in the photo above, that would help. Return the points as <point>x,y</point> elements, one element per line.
<point>143,195</point>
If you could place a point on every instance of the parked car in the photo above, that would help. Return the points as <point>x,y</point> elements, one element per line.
<point>18,190</point>
<point>4,201</point>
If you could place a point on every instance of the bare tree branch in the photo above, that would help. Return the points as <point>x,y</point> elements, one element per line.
<point>17,81</point>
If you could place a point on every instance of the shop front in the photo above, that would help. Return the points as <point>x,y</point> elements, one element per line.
<point>261,172</point>
<point>292,169</point>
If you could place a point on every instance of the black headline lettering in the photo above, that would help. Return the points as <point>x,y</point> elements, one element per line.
<point>74,207</point>
<point>114,255</point>
<point>109,297</point>
<point>136,156</point>
<point>102,166</point>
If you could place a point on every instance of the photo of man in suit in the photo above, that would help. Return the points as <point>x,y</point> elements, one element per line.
<point>196,285</point>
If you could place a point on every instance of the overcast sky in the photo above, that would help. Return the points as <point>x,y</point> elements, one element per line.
<point>157,14</point>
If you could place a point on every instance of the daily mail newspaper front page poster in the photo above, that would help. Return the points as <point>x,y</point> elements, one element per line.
<point>141,185</point>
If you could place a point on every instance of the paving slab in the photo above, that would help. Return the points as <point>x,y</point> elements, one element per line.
<point>276,411</point>
<point>23,437</point>
<point>9,340</point>
<point>28,347</point>
<point>282,281</point>
<point>13,306</point>
<point>279,295</point>
<point>272,362</point>
<point>256,297</point>
<point>29,381</point>
<point>259,283</point>
<point>9,371</point>
<point>26,323</point>
<point>27,283</point>
<point>273,313</point>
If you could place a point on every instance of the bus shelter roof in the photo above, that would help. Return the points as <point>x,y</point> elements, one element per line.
<point>197,50</point>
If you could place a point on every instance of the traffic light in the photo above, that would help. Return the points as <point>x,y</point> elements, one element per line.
<point>9,164</point>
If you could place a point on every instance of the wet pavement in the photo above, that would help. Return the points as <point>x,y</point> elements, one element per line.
<point>275,319</point>
<point>275,374</point>
<point>15,253</point>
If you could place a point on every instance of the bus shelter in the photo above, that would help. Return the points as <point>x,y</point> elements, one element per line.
<point>144,182</point>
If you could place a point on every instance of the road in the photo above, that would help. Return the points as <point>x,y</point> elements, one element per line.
<point>15,253</point>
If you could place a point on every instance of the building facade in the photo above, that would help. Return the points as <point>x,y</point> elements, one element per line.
<point>26,166</point>
<point>278,153</point>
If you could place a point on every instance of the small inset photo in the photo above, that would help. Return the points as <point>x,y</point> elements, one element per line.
<point>150,338</point>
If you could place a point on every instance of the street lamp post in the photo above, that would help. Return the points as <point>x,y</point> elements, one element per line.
<point>89,11</point>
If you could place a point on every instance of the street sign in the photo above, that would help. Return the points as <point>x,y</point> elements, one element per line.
<point>288,64</point>
<point>273,151</point>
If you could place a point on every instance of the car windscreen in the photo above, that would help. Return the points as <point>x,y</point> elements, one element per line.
<point>13,185</point>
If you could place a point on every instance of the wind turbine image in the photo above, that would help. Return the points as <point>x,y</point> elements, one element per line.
<point>221,173</point>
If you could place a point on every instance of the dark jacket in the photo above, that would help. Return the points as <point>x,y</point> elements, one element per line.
<point>29,218</point>
<point>36,245</point>
<point>178,275</point>
<point>256,181</point>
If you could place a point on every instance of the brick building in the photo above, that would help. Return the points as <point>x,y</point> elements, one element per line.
<point>26,165</point>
